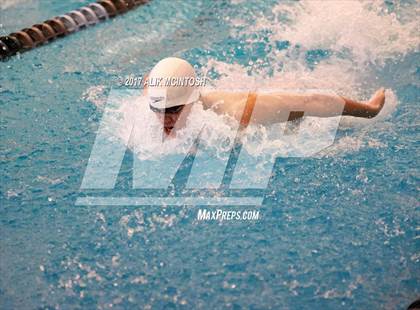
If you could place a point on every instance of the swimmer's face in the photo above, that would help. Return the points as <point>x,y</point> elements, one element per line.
<point>173,118</point>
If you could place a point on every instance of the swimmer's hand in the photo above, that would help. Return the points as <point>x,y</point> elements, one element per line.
<point>376,102</point>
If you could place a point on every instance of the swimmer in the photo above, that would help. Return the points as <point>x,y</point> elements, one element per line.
<point>171,93</point>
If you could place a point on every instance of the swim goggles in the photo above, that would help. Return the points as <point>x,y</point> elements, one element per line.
<point>172,110</point>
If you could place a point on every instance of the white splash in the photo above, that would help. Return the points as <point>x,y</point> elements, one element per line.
<point>366,29</point>
<point>145,131</point>
<point>95,94</point>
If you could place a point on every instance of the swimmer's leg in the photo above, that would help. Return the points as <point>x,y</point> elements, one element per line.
<point>365,109</point>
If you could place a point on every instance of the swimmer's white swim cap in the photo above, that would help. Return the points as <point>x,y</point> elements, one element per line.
<point>169,84</point>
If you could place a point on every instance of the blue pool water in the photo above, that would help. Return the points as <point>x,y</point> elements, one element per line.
<point>340,231</point>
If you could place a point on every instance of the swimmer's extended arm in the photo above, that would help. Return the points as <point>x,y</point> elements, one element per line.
<point>281,107</point>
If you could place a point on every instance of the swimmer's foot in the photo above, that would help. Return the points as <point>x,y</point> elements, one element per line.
<point>376,103</point>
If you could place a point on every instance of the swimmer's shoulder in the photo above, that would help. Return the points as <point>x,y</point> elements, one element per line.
<point>216,98</point>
